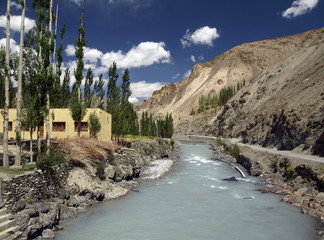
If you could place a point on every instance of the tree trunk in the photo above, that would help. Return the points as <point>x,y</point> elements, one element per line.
<point>6,106</point>
<point>39,141</point>
<point>18,129</point>
<point>31,146</point>
<point>55,31</point>
<point>48,127</point>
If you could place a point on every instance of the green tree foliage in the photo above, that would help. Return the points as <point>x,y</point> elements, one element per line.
<point>212,101</point>
<point>57,97</point>
<point>99,93</point>
<point>87,92</point>
<point>77,108</point>
<point>124,119</point>
<point>94,125</point>
<point>162,127</point>
<point>66,94</point>
<point>12,65</point>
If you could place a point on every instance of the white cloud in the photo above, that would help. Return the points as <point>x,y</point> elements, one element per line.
<point>13,44</point>
<point>91,55</point>
<point>144,54</point>
<point>15,5</point>
<point>133,100</point>
<point>143,89</point>
<point>70,50</point>
<point>175,76</point>
<point>204,36</point>
<point>299,7</point>
<point>187,74</point>
<point>15,22</point>
<point>192,58</point>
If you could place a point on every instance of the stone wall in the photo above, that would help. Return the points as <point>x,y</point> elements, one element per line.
<point>38,201</point>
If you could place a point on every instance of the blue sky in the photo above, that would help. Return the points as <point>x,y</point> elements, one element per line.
<point>161,40</point>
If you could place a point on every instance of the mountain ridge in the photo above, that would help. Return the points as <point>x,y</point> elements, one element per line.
<point>253,62</point>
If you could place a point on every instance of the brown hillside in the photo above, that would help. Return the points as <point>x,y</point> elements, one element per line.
<point>284,79</point>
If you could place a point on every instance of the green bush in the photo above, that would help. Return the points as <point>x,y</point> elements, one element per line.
<point>273,164</point>
<point>290,172</point>
<point>53,158</point>
<point>172,144</point>
<point>235,152</point>
<point>94,125</point>
<point>100,173</point>
<point>219,142</point>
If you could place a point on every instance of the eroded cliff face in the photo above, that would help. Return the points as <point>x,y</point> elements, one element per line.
<point>281,104</point>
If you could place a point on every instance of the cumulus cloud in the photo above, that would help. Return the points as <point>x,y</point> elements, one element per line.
<point>13,44</point>
<point>187,74</point>
<point>203,36</point>
<point>144,54</point>
<point>192,58</point>
<point>299,7</point>
<point>15,22</point>
<point>91,55</point>
<point>15,5</point>
<point>143,89</point>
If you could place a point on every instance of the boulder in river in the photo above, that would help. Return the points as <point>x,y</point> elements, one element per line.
<point>231,179</point>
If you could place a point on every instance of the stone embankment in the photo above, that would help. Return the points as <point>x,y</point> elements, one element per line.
<point>39,201</point>
<point>302,184</point>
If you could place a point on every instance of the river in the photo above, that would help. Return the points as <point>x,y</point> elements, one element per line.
<point>193,203</point>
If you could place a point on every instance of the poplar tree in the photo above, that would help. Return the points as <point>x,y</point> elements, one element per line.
<point>113,100</point>
<point>66,94</point>
<point>99,92</point>
<point>19,94</point>
<point>77,108</point>
<point>88,94</point>
<point>6,105</point>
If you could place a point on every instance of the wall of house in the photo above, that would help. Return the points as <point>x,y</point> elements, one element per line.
<point>63,117</point>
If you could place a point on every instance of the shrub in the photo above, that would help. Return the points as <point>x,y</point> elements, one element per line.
<point>290,172</point>
<point>273,164</point>
<point>53,158</point>
<point>235,152</point>
<point>94,125</point>
<point>172,144</point>
<point>219,142</point>
<point>100,173</point>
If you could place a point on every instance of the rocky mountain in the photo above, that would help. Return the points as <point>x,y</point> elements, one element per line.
<point>282,104</point>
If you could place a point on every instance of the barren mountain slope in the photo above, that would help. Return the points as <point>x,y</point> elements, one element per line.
<point>282,106</point>
<point>243,62</point>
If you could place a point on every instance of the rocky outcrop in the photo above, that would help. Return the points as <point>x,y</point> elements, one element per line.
<point>302,185</point>
<point>40,200</point>
<point>282,104</point>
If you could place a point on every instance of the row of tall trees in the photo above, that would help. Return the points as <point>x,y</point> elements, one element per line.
<point>162,127</point>
<point>124,118</point>
<point>215,100</point>
<point>38,72</point>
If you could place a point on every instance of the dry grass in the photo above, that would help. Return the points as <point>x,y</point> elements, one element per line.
<point>85,151</point>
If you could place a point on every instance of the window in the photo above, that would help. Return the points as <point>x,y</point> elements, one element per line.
<point>84,126</point>
<point>58,127</point>
<point>9,126</point>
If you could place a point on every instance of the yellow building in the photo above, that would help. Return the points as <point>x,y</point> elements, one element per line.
<point>62,125</point>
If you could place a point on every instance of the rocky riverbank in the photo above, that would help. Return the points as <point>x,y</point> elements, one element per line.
<point>301,184</point>
<point>39,201</point>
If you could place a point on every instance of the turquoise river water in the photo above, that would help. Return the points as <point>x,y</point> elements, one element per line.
<point>193,203</point>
